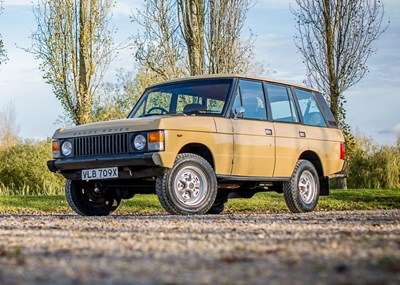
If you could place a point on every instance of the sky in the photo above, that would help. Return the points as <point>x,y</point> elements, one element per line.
<point>373,105</point>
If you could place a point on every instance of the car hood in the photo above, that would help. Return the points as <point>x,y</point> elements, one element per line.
<point>109,127</point>
<point>173,122</point>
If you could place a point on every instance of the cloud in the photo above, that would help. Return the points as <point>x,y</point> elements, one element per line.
<point>125,8</point>
<point>390,131</point>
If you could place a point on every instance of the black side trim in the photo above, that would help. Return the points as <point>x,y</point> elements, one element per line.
<point>252,178</point>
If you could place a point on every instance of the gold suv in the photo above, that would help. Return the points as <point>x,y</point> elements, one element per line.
<point>198,141</point>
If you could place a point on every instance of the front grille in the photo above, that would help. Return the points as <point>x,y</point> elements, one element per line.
<point>101,145</point>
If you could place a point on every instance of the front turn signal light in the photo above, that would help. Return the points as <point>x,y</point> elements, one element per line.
<point>156,140</point>
<point>55,147</point>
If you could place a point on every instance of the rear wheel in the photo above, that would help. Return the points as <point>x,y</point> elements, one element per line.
<point>302,191</point>
<point>88,200</point>
<point>189,187</point>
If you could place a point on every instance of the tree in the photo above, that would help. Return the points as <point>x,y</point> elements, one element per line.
<point>3,53</point>
<point>115,100</point>
<point>227,52</point>
<point>192,22</point>
<point>159,48</point>
<point>9,128</point>
<point>74,42</point>
<point>193,37</point>
<point>335,38</point>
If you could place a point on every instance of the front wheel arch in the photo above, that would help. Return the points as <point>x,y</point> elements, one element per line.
<point>200,150</point>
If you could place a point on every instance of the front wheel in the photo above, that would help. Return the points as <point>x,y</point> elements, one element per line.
<point>302,191</point>
<point>219,205</point>
<point>88,200</point>
<point>189,187</point>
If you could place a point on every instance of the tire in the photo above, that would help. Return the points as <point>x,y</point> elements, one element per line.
<point>302,191</point>
<point>189,187</point>
<point>85,200</point>
<point>218,206</point>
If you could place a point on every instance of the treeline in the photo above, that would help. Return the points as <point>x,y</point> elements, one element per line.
<point>23,169</point>
<point>373,166</point>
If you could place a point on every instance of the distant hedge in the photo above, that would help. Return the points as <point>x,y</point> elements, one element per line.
<point>23,169</point>
<point>373,166</point>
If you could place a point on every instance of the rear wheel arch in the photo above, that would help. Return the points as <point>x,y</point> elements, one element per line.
<point>315,160</point>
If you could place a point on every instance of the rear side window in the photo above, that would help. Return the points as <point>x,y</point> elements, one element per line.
<point>282,104</point>
<point>326,110</point>
<point>309,108</point>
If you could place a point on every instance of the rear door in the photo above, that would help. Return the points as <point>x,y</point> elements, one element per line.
<point>290,135</point>
<point>253,134</point>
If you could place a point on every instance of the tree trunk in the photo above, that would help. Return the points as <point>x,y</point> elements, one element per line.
<point>84,98</point>
<point>193,32</point>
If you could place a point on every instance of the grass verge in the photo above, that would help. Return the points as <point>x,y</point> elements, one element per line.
<point>339,200</point>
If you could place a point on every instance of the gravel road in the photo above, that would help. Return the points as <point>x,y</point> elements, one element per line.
<point>361,247</point>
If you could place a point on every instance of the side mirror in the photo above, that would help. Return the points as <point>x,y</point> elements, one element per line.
<point>239,112</point>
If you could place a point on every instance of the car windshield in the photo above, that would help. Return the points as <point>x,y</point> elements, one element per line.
<point>189,97</point>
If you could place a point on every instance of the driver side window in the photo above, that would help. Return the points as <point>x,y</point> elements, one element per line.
<point>250,95</point>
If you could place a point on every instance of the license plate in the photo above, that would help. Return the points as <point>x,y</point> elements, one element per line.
<point>100,173</point>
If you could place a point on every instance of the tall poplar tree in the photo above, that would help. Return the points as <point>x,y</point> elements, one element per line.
<point>74,42</point>
<point>193,37</point>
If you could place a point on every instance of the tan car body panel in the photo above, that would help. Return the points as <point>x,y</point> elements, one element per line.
<point>325,142</point>
<point>254,150</point>
<point>182,131</point>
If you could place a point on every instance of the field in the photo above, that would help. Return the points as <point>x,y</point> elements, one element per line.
<point>339,200</point>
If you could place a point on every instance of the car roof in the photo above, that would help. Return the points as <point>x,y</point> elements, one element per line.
<point>212,76</point>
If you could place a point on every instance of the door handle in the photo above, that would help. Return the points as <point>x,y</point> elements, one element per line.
<point>302,134</point>
<point>268,132</point>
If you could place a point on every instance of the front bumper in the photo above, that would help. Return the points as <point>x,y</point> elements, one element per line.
<point>144,160</point>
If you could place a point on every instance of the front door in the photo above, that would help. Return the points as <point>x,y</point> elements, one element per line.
<point>253,139</point>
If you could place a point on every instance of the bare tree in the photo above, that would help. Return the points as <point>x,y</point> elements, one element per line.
<point>3,53</point>
<point>9,127</point>
<point>192,20</point>
<point>227,52</point>
<point>159,48</point>
<point>193,37</point>
<point>74,41</point>
<point>336,39</point>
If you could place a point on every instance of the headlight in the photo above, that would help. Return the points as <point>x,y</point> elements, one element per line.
<point>66,148</point>
<point>139,142</point>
